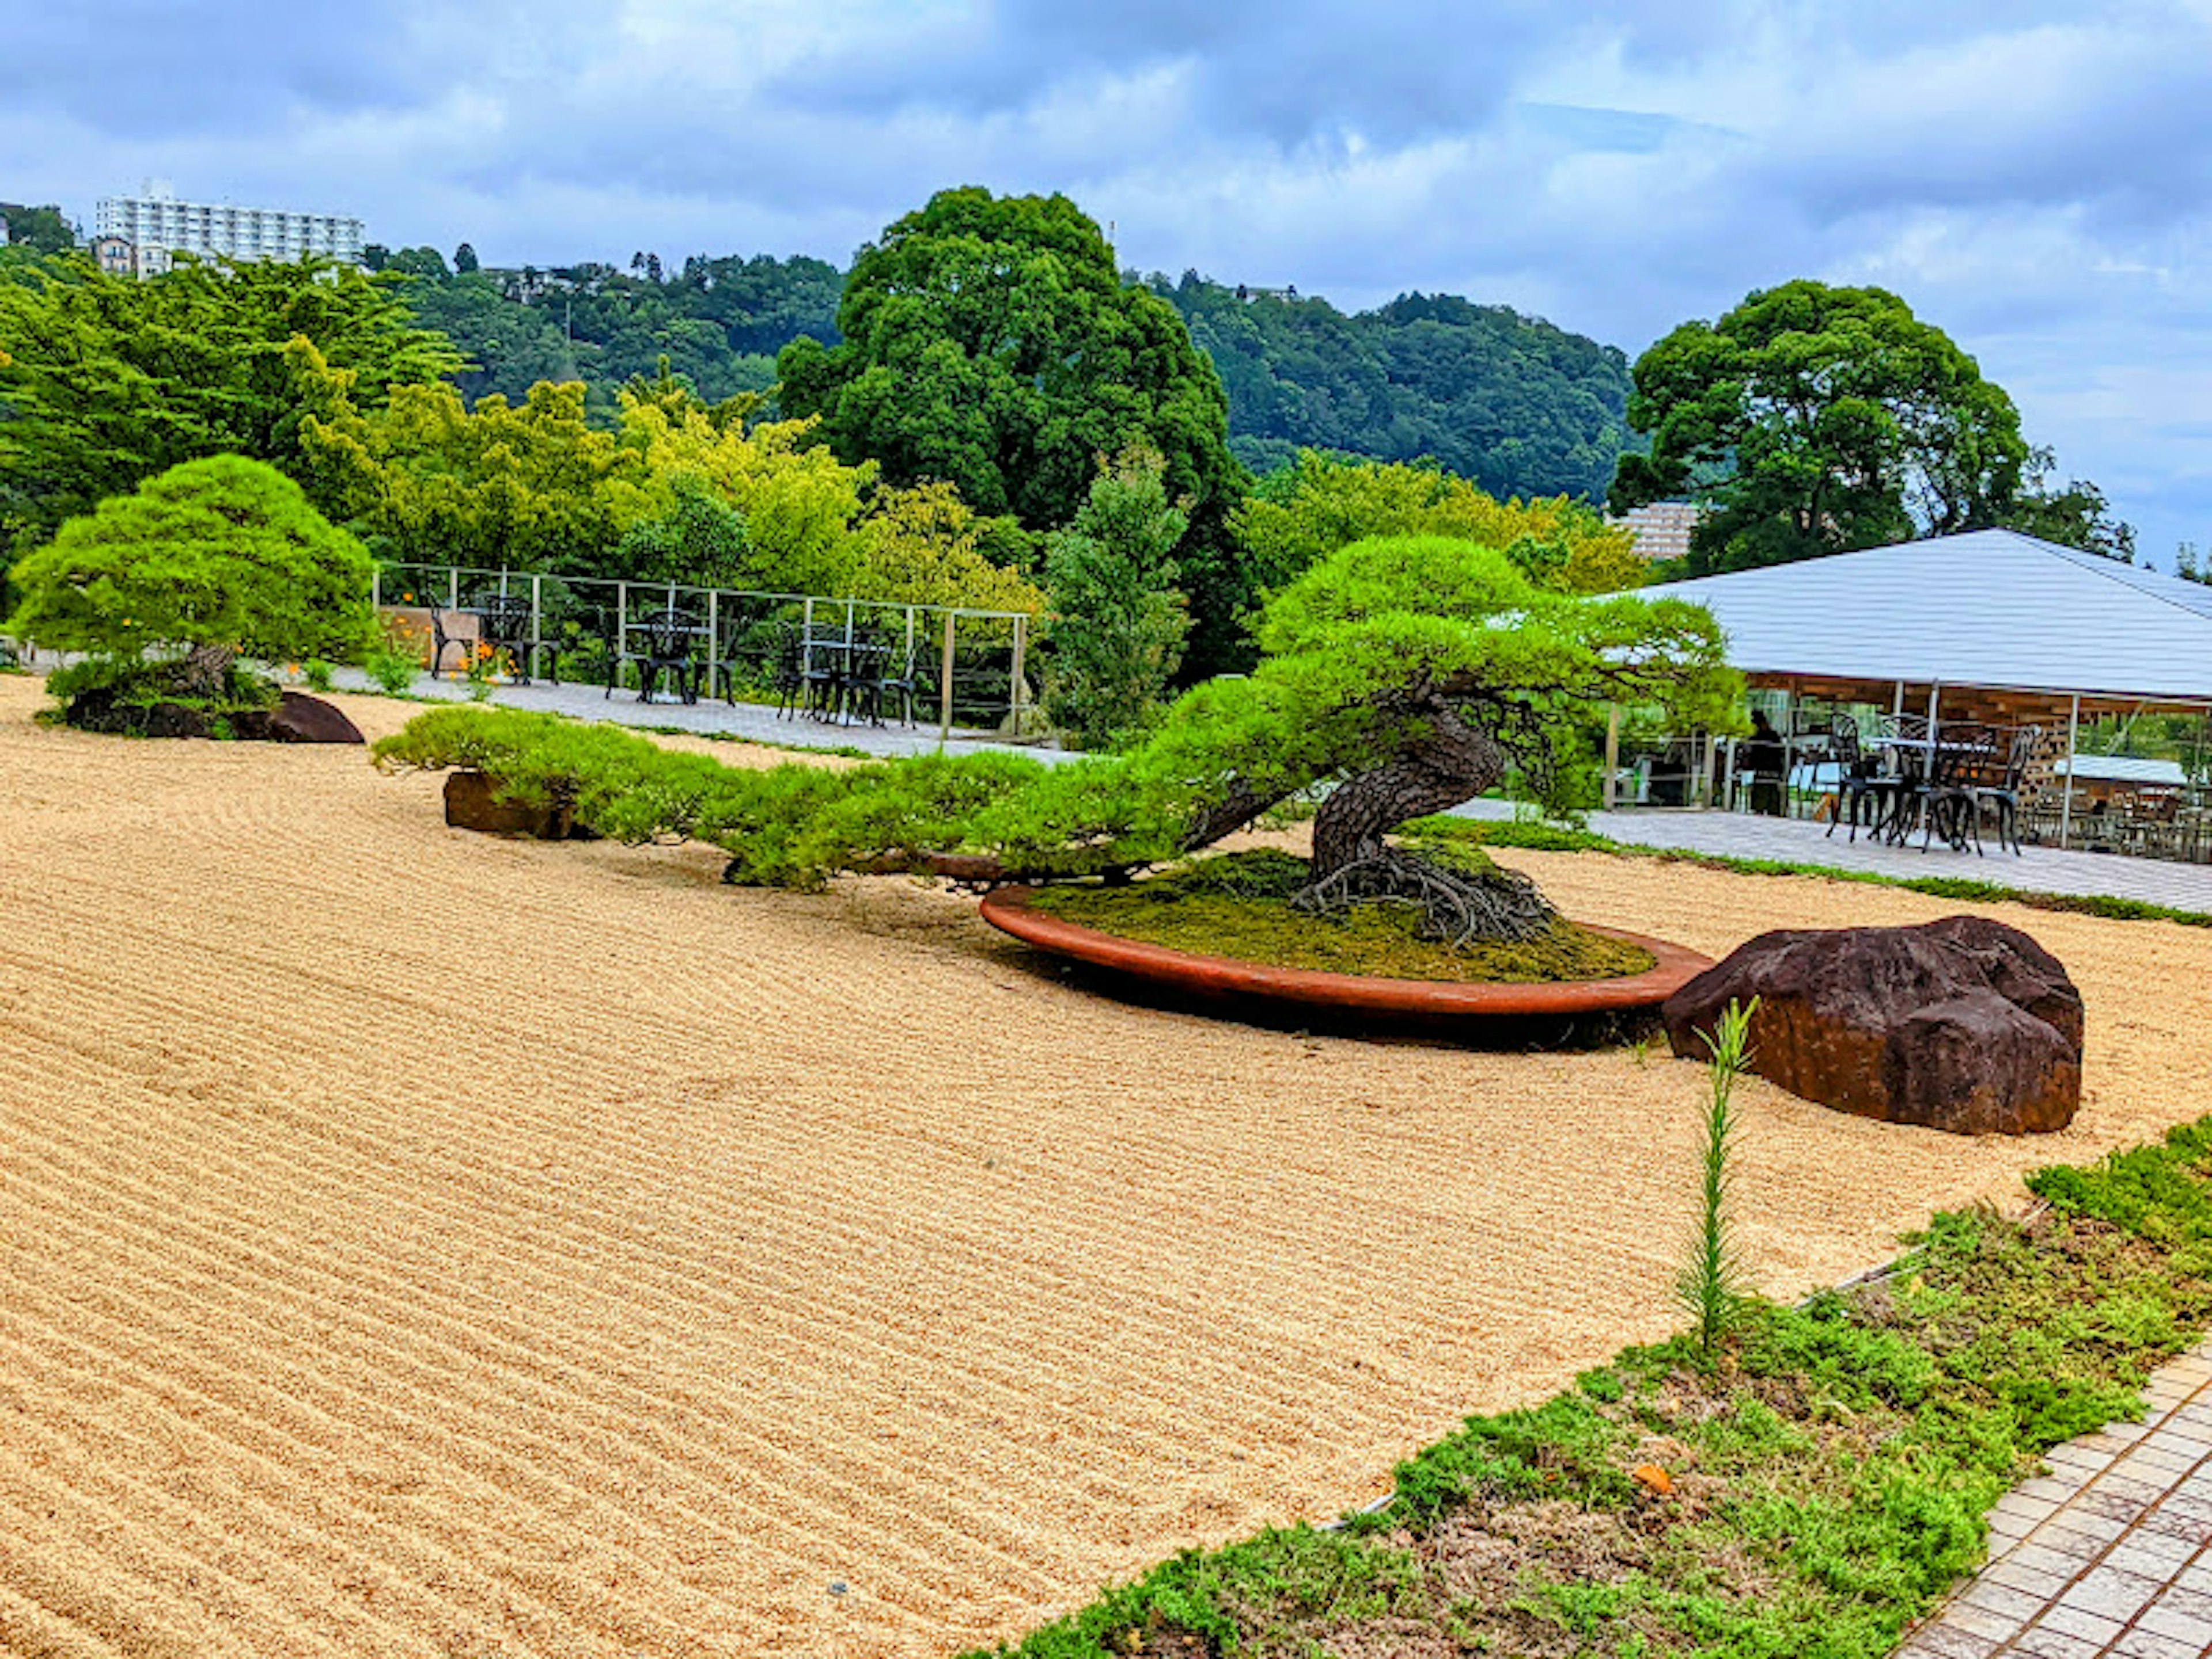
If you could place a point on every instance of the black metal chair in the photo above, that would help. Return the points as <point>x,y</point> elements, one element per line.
<point>2002,793</point>
<point>1957,762</point>
<point>824,660</point>
<point>567,630</point>
<point>1860,781</point>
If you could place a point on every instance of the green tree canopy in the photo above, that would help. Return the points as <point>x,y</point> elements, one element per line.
<point>428,480</point>
<point>42,229</point>
<point>224,555</point>
<point>991,343</point>
<point>1306,511</point>
<point>1118,623</point>
<point>1813,420</point>
<point>106,381</point>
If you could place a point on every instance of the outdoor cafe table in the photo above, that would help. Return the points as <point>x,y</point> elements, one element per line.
<point>503,620</point>
<point>670,635</point>
<point>852,666</point>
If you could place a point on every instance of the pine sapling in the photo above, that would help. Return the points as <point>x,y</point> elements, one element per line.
<point>1712,1284</point>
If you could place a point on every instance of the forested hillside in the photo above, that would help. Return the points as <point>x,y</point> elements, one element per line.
<point>1517,405</point>
<point>1520,407</point>
<point>719,322</point>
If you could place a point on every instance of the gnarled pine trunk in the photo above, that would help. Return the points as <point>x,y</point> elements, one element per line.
<point>1352,863</point>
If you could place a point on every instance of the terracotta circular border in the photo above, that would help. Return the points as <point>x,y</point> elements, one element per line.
<point>1010,910</point>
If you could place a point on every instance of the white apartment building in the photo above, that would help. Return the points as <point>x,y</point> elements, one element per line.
<point>156,224</point>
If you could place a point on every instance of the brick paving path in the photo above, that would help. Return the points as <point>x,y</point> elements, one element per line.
<point>2110,1553</point>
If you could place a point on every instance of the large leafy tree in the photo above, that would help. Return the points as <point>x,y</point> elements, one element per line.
<point>107,380</point>
<point>41,229</point>
<point>210,561</point>
<point>1812,420</point>
<point>990,343</point>
<point>428,480</point>
<point>1319,503</point>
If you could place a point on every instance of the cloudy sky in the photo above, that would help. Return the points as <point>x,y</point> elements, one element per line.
<point>2033,179</point>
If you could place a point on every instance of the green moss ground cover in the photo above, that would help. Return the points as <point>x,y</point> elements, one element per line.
<point>1808,1495</point>
<point>1237,905</point>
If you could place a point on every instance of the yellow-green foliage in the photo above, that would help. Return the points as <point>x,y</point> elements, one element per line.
<point>1323,503</point>
<point>530,486</point>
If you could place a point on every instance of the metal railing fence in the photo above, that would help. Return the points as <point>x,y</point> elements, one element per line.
<point>971,664</point>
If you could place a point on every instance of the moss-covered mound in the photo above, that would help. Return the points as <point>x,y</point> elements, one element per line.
<point>1238,905</point>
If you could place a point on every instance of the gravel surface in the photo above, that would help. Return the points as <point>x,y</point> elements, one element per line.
<point>413,1243</point>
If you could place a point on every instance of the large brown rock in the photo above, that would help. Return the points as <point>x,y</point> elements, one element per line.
<point>1963,1024</point>
<point>471,802</point>
<point>299,718</point>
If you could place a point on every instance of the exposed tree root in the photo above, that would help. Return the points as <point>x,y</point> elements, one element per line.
<point>1457,906</point>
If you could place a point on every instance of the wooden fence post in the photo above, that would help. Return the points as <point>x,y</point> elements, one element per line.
<point>944,686</point>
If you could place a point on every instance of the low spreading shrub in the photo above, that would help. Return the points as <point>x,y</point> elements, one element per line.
<point>1809,1496</point>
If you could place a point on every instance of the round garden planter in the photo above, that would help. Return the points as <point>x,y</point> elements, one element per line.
<point>1218,979</point>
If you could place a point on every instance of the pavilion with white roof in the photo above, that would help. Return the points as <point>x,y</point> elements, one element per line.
<point>1991,625</point>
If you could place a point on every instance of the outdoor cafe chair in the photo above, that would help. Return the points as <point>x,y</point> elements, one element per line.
<point>1859,782</point>
<point>868,679</point>
<point>567,630</point>
<point>1957,763</point>
<point>2002,793</point>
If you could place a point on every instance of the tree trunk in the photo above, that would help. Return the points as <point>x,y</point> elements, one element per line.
<point>203,669</point>
<point>1354,864</point>
<point>1454,763</point>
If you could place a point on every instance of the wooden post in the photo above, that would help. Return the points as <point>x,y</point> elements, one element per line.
<point>537,620</point>
<point>376,587</point>
<point>714,635</point>
<point>622,633</point>
<point>1014,691</point>
<point>1611,752</point>
<point>944,686</point>
<point>2066,801</point>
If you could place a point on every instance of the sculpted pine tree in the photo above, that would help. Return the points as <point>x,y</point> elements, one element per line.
<point>1411,675</point>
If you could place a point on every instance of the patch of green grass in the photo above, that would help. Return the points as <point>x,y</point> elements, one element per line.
<point>1816,1492</point>
<point>1237,905</point>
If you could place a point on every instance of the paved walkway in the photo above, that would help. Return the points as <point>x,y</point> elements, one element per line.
<point>754,722</point>
<point>2110,1553</point>
<point>2036,870</point>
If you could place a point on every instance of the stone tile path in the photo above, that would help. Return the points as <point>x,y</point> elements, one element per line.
<point>754,722</point>
<point>2036,869</point>
<point>2110,1553</point>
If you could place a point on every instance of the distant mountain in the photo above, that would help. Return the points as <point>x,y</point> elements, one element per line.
<point>1518,405</point>
<point>719,322</point>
